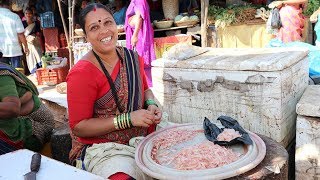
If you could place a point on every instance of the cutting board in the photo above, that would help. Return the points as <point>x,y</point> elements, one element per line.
<point>15,164</point>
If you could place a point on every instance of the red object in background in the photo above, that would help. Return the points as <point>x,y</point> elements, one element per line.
<point>51,39</point>
<point>163,44</point>
<point>259,1</point>
<point>64,52</point>
<point>52,76</point>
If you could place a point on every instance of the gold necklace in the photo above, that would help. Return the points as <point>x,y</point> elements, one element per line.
<point>109,65</point>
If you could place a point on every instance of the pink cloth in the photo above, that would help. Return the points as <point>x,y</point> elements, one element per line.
<point>145,44</point>
<point>292,24</point>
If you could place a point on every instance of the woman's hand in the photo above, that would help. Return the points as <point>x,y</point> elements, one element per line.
<point>275,4</point>
<point>30,38</point>
<point>157,113</point>
<point>313,19</point>
<point>134,40</point>
<point>26,97</point>
<point>314,16</point>
<point>27,104</point>
<point>10,107</point>
<point>142,118</point>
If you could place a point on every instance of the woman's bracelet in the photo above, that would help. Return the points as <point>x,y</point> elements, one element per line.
<point>115,122</point>
<point>149,102</point>
<point>122,121</point>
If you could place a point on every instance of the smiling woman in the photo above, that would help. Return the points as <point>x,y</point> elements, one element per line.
<point>107,91</point>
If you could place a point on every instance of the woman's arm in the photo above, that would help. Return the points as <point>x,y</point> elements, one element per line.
<point>23,40</point>
<point>9,107</point>
<point>81,105</point>
<point>27,104</point>
<point>94,127</point>
<point>153,108</point>
<point>138,23</point>
<point>279,4</point>
<point>100,126</point>
<point>314,16</point>
<point>12,106</point>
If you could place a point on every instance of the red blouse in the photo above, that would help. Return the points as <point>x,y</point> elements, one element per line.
<point>86,84</point>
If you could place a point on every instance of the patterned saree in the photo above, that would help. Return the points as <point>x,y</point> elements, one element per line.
<point>129,89</point>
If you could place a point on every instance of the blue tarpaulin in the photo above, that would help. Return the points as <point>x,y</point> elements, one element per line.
<point>313,56</point>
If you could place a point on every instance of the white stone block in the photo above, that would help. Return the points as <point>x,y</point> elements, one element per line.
<point>258,87</point>
<point>307,159</point>
<point>309,104</point>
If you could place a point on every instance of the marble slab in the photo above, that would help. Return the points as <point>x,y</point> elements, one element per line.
<point>309,104</point>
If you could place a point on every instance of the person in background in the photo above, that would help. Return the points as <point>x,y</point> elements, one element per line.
<point>33,36</point>
<point>109,101</point>
<point>11,34</point>
<point>24,121</point>
<point>120,12</point>
<point>139,33</point>
<point>84,3</point>
<point>315,18</point>
<point>292,19</point>
<point>35,14</point>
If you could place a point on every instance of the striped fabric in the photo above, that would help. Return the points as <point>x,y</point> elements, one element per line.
<point>6,148</point>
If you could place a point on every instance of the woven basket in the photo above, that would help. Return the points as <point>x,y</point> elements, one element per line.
<point>163,24</point>
<point>170,8</point>
<point>186,23</point>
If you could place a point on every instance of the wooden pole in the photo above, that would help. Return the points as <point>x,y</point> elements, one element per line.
<point>68,34</point>
<point>70,17</point>
<point>63,22</point>
<point>204,22</point>
<point>72,30</point>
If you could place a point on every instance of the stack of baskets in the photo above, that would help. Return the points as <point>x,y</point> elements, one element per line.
<point>170,8</point>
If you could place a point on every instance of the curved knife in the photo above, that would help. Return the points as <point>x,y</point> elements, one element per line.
<point>35,166</point>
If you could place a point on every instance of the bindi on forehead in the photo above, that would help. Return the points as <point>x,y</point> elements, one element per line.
<point>99,21</point>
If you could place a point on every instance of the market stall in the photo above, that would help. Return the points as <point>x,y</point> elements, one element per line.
<point>170,27</point>
<point>243,25</point>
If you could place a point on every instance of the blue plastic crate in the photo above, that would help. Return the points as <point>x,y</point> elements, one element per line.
<point>47,19</point>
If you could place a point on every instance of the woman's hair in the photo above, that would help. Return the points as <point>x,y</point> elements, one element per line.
<point>28,9</point>
<point>90,7</point>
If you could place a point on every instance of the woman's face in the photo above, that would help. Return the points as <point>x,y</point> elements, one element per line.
<point>83,4</point>
<point>101,30</point>
<point>28,14</point>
